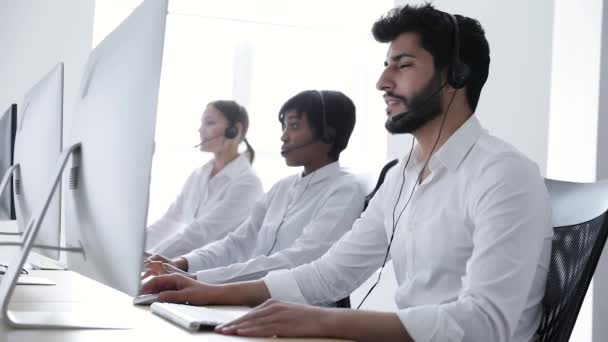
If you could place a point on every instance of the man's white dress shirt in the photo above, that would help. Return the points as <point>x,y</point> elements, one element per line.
<point>471,250</point>
<point>296,222</point>
<point>207,209</point>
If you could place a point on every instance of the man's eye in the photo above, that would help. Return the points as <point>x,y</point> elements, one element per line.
<point>403,66</point>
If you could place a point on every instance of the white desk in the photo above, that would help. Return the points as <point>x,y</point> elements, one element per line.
<point>77,293</point>
<point>74,292</point>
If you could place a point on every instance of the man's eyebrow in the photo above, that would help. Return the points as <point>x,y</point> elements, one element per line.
<point>397,57</point>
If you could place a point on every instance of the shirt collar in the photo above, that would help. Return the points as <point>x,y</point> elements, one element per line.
<point>233,169</point>
<point>454,150</point>
<point>321,173</point>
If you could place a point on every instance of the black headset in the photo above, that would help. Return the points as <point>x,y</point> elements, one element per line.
<point>328,134</point>
<point>231,131</point>
<point>458,72</point>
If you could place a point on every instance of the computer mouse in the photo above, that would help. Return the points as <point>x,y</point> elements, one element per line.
<point>146,299</point>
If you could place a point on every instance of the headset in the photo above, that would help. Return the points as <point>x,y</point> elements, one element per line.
<point>287,209</point>
<point>328,134</point>
<point>231,131</point>
<point>457,77</point>
<point>458,72</point>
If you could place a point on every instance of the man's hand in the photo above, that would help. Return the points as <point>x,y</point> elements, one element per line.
<point>176,288</point>
<point>275,318</point>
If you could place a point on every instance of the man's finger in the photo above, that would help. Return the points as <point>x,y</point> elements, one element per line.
<point>265,330</point>
<point>251,322</point>
<point>255,314</point>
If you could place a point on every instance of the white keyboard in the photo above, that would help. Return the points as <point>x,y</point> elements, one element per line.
<point>25,279</point>
<point>194,317</point>
<point>40,262</point>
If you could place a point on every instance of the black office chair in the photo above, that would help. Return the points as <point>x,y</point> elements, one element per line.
<point>579,234</point>
<point>345,302</point>
<point>379,182</point>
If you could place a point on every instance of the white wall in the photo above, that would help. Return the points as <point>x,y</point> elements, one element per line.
<point>575,90</point>
<point>600,298</point>
<point>514,103</point>
<point>575,126</point>
<point>34,36</point>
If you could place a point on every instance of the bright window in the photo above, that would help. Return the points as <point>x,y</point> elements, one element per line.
<point>260,54</point>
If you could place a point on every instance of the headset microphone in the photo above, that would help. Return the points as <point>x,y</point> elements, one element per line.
<point>296,147</point>
<point>400,116</point>
<point>208,140</point>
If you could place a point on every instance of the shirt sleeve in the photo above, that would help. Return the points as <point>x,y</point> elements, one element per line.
<point>335,216</point>
<point>343,268</point>
<point>510,212</point>
<point>171,219</point>
<point>234,247</point>
<point>217,221</point>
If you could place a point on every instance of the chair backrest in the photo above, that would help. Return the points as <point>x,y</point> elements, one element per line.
<point>379,182</point>
<point>345,302</point>
<point>579,234</point>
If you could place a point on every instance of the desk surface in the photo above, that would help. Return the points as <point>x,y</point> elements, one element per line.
<point>79,294</point>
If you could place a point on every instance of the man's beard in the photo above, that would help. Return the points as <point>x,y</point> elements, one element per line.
<point>422,108</point>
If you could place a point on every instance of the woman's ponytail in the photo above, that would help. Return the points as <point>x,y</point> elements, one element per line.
<point>250,151</point>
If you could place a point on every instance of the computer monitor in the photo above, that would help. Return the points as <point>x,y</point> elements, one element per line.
<point>37,146</point>
<point>106,205</point>
<point>110,145</point>
<point>8,126</point>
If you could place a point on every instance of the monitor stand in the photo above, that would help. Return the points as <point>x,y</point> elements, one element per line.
<point>49,319</point>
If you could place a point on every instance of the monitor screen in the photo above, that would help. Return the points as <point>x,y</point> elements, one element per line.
<point>8,126</point>
<point>37,147</point>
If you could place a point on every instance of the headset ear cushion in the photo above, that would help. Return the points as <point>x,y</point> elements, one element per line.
<point>459,75</point>
<point>330,135</point>
<point>231,132</point>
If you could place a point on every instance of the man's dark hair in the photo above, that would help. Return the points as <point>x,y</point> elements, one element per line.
<point>339,115</point>
<point>435,32</point>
